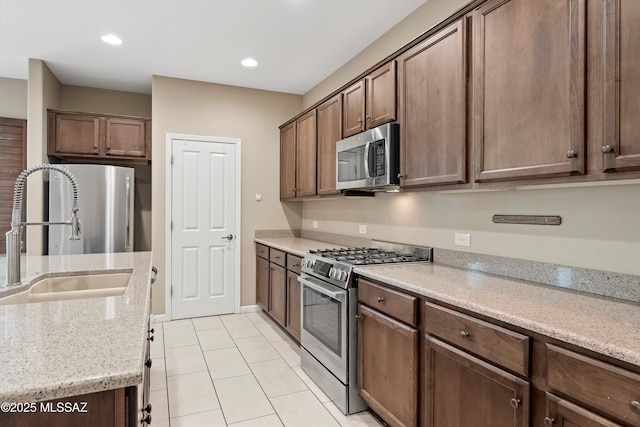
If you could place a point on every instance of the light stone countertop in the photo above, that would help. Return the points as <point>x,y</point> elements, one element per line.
<point>604,325</point>
<point>59,349</point>
<point>295,245</point>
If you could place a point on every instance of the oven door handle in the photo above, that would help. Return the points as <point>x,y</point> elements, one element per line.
<point>323,290</point>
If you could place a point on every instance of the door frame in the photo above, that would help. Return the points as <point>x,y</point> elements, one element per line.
<point>170,138</point>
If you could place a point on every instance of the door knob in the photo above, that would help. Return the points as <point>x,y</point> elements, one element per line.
<point>228,237</point>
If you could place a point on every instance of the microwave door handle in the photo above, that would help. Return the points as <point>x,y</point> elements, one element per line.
<point>367,173</point>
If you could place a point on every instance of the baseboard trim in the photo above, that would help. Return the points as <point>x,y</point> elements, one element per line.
<point>249,308</point>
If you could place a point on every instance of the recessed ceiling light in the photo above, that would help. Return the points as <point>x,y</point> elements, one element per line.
<point>111,39</point>
<point>249,62</point>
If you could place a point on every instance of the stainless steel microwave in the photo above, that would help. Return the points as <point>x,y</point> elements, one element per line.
<point>369,160</point>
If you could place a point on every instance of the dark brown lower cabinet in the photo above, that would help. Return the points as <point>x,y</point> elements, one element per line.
<point>562,413</point>
<point>278,293</point>
<point>262,283</point>
<point>388,367</point>
<point>461,390</point>
<point>293,304</point>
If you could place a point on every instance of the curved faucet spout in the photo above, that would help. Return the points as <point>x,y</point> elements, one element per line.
<point>14,236</point>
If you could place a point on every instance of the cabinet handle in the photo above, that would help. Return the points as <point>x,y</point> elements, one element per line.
<point>607,149</point>
<point>155,275</point>
<point>464,334</point>
<point>267,268</point>
<point>276,257</point>
<point>515,403</point>
<point>152,330</point>
<point>295,265</point>
<point>359,120</point>
<point>635,405</point>
<point>400,176</point>
<point>380,299</point>
<point>294,189</point>
<point>147,419</point>
<point>148,363</point>
<point>150,338</point>
<point>358,317</point>
<point>147,408</point>
<point>549,421</point>
<point>369,118</point>
<point>571,154</point>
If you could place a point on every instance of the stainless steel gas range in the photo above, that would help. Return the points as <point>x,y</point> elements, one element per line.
<point>329,305</point>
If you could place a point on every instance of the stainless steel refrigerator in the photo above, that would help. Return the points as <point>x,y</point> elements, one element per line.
<point>105,209</point>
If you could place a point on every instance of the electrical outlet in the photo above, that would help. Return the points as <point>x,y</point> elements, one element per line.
<point>463,239</point>
<point>362,229</point>
<point>315,224</point>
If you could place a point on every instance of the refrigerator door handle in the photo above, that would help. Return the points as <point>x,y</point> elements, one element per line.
<point>127,208</point>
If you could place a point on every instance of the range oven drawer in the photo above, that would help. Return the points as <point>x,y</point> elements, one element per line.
<point>396,304</point>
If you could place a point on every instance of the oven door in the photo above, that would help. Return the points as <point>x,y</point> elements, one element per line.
<point>324,324</point>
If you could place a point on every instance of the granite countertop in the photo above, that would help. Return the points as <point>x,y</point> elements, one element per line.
<point>58,349</point>
<point>295,245</point>
<point>604,325</point>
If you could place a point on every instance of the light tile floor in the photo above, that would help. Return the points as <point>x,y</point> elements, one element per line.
<point>236,370</point>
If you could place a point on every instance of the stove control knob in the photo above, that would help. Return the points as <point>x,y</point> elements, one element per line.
<point>343,276</point>
<point>332,273</point>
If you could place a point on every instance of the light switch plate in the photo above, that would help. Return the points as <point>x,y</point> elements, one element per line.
<point>463,239</point>
<point>315,224</point>
<point>362,229</point>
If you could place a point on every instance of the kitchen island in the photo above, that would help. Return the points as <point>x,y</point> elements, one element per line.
<point>58,349</point>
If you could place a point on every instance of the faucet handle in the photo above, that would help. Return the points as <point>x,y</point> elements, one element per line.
<point>75,226</point>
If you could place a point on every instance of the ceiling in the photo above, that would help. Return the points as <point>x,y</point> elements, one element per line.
<point>297,43</point>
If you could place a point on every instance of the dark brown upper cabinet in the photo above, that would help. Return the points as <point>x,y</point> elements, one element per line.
<point>529,89</point>
<point>621,44</point>
<point>298,157</point>
<point>329,117</point>
<point>85,136</point>
<point>432,109</point>
<point>371,101</point>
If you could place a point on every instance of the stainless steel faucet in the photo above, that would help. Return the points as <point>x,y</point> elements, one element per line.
<point>14,236</point>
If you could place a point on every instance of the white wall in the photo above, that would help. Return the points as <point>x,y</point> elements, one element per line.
<point>13,98</point>
<point>600,225</point>
<point>197,108</point>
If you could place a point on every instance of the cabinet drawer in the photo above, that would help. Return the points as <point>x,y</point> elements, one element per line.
<point>499,345</point>
<point>277,257</point>
<point>610,389</point>
<point>393,303</point>
<point>262,251</point>
<point>293,263</point>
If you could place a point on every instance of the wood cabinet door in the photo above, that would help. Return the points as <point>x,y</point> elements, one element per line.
<point>125,137</point>
<point>306,157</point>
<point>293,305</point>
<point>529,89</point>
<point>329,131</point>
<point>77,134</point>
<point>462,390</point>
<point>262,283</point>
<point>277,293</point>
<point>621,147</point>
<point>353,99</point>
<point>13,160</point>
<point>388,367</point>
<point>432,110</point>
<point>562,413</point>
<point>288,161</point>
<point>380,102</point>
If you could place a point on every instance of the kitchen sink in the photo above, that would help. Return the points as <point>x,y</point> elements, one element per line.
<point>71,287</point>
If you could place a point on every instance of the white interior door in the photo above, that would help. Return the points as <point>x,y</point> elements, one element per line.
<point>203,235</point>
